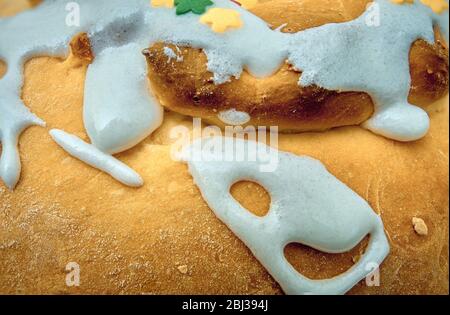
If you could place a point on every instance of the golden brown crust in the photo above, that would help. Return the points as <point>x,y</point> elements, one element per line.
<point>81,48</point>
<point>186,87</point>
<point>2,68</point>
<point>305,14</point>
<point>163,238</point>
<point>12,7</point>
<point>135,240</point>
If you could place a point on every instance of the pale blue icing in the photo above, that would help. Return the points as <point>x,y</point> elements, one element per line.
<point>308,206</point>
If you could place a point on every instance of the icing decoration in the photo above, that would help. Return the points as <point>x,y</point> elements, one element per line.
<point>248,4</point>
<point>163,3</point>
<point>234,118</point>
<point>96,158</point>
<point>221,19</point>
<point>196,6</point>
<point>116,121</point>
<point>172,55</point>
<point>375,62</point>
<point>309,206</point>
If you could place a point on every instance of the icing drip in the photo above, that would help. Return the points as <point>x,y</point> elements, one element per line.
<point>299,212</point>
<point>14,118</point>
<point>351,56</point>
<point>116,120</point>
<point>234,117</point>
<point>92,156</point>
<point>384,70</point>
<point>172,55</point>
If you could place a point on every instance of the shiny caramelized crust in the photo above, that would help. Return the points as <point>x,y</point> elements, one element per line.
<point>81,48</point>
<point>186,86</point>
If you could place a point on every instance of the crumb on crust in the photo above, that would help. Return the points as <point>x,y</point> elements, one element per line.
<point>420,226</point>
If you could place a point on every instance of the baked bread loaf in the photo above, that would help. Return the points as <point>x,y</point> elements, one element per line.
<point>163,238</point>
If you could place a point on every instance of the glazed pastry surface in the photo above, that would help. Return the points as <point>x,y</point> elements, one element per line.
<point>116,234</point>
<point>184,86</point>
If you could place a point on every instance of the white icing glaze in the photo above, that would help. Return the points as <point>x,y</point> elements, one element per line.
<point>376,61</point>
<point>92,156</point>
<point>234,117</point>
<point>172,55</point>
<point>350,56</point>
<point>119,111</point>
<point>308,206</point>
